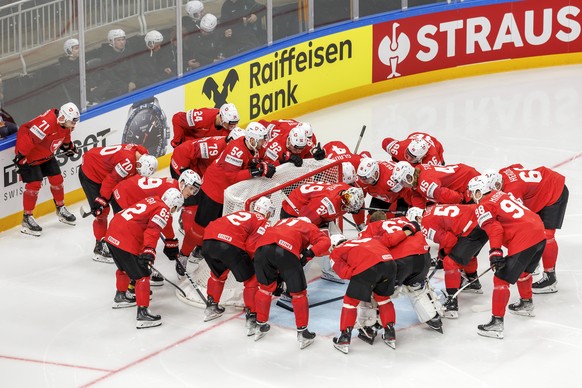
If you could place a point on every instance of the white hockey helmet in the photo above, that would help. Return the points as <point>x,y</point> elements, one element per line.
<point>152,38</point>
<point>190,178</point>
<point>235,133</point>
<point>416,150</point>
<point>352,199</point>
<point>208,22</point>
<point>229,114</point>
<point>264,206</point>
<point>297,139</point>
<point>348,173</point>
<point>194,9</point>
<point>414,212</point>
<point>495,179</point>
<point>173,199</point>
<point>337,239</point>
<point>69,44</point>
<point>369,171</point>
<point>478,186</point>
<point>146,165</point>
<point>403,173</point>
<point>115,34</point>
<point>68,112</point>
<point>307,127</point>
<point>255,135</point>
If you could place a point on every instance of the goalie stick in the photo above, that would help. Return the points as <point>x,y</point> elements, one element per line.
<point>166,279</point>
<point>200,294</point>
<point>471,282</point>
<point>290,308</point>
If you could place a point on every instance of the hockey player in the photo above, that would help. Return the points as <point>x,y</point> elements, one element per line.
<point>460,240</point>
<point>282,251</point>
<point>435,184</point>
<point>282,128</point>
<point>544,192</point>
<point>369,266</point>
<point>229,246</point>
<point>508,223</point>
<point>204,122</point>
<point>36,143</point>
<point>417,148</point>
<point>135,188</point>
<point>412,264</point>
<point>287,148</point>
<point>101,170</point>
<point>132,239</point>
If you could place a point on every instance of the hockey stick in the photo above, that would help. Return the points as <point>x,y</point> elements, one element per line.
<point>395,212</point>
<point>200,294</point>
<point>360,139</point>
<point>471,282</point>
<point>166,279</point>
<point>84,214</point>
<point>290,308</point>
<point>352,223</point>
<point>433,271</point>
<point>286,198</point>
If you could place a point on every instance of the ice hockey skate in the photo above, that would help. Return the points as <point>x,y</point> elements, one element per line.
<point>524,307</point>
<point>196,256</point>
<point>213,310</point>
<point>327,273</point>
<point>493,329</point>
<point>367,334</point>
<point>305,337</point>
<point>251,322</point>
<point>101,253</point>
<point>435,323</point>
<point>29,226</point>
<point>451,308</point>
<point>156,279</point>
<point>548,284</point>
<point>65,215</point>
<point>146,319</point>
<point>342,343</point>
<point>474,287</point>
<point>123,299</point>
<point>181,263</point>
<point>261,330</point>
<point>389,335</point>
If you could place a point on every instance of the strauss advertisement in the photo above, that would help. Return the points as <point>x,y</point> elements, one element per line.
<point>475,35</point>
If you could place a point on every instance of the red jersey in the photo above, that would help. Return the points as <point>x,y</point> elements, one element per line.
<point>318,201</point>
<point>444,224</point>
<point>537,188</point>
<point>509,223</point>
<point>397,149</point>
<point>196,124</point>
<point>197,154</point>
<point>382,190</point>
<point>241,229</point>
<point>336,150</point>
<point>110,165</point>
<point>355,256</point>
<point>232,166</point>
<point>442,184</point>
<point>39,138</point>
<point>295,235</point>
<point>139,226</point>
<point>390,233</point>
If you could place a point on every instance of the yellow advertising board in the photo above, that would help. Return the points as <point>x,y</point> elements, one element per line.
<point>289,77</point>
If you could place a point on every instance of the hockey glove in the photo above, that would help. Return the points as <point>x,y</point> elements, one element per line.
<point>293,158</point>
<point>145,259</point>
<point>69,149</point>
<point>20,162</point>
<point>175,143</point>
<point>318,152</point>
<point>496,259</point>
<point>171,248</point>
<point>99,204</point>
<point>306,256</point>
<point>412,227</point>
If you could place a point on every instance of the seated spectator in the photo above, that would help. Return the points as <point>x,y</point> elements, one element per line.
<point>7,124</point>
<point>205,47</point>
<point>155,64</point>
<point>241,22</point>
<point>69,70</point>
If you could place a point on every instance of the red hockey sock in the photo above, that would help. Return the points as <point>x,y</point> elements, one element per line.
<point>57,189</point>
<point>263,301</point>
<point>142,291</point>
<point>386,309</point>
<point>249,292</point>
<point>452,274</point>
<point>300,308</point>
<point>30,196</point>
<point>500,296</point>
<point>121,280</point>
<point>550,255</point>
<point>100,224</point>
<point>215,285</point>
<point>524,285</point>
<point>349,313</point>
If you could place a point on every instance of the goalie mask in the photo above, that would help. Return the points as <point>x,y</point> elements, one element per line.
<point>352,199</point>
<point>146,165</point>
<point>173,199</point>
<point>416,150</point>
<point>264,206</point>
<point>478,186</point>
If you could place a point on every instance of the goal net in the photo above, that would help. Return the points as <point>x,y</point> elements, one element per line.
<point>242,196</point>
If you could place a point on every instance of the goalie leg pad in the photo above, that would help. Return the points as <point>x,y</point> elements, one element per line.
<point>424,301</point>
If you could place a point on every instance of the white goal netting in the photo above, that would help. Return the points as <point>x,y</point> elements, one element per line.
<point>242,196</point>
